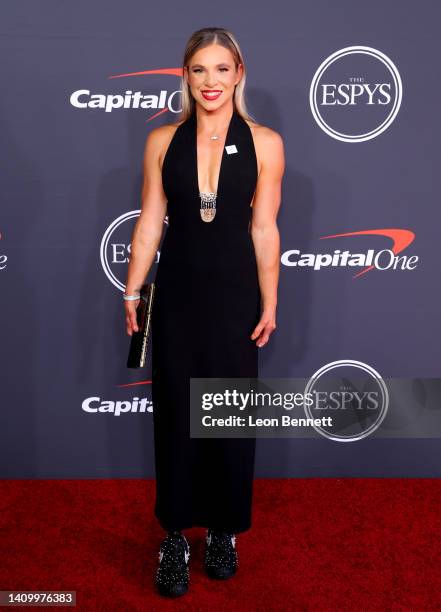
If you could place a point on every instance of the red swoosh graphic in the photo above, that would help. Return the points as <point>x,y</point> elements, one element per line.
<point>401,239</point>
<point>172,71</point>
<point>134,384</point>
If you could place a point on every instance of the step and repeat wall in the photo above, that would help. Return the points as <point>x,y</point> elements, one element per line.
<point>354,91</point>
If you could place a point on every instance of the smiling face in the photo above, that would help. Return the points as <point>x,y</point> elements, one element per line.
<point>212,76</point>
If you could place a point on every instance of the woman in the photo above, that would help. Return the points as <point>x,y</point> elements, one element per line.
<point>217,174</point>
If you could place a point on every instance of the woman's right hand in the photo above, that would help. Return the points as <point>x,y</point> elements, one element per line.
<point>130,308</point>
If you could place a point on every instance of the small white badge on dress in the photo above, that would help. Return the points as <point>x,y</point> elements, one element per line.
<point>231,149</point>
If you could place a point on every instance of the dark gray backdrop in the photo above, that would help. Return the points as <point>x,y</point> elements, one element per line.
<point>68,173</point>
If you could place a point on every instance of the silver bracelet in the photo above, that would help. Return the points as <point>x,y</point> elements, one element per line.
<point>128,298</point>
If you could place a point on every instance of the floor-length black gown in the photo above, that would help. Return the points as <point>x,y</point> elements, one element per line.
<point>206,306</point>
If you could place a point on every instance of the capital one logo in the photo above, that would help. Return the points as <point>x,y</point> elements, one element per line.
<point>108,102</point>
<point>115,248</point>
<point>384,259</point>
<point>355,94</point>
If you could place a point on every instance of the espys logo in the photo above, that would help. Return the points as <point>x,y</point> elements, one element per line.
<point>384,259</point>
<point>3,259</point>
<point>358,405</point>
<point>355,94</point>
<point>115,248</point>
<point>108,102</point>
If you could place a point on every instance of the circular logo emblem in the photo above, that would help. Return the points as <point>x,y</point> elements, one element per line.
<point>115,249</point>
<point>352,394</point>
<point>355,94</point>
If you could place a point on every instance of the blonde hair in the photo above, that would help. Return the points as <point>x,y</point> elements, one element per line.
<point>203,38</point>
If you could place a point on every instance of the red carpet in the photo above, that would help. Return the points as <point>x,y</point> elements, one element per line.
<point>315,544</point>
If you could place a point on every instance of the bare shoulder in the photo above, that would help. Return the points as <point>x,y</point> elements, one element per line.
<point>158,140</point>
<point>268,144</point>
<point>264,134</point>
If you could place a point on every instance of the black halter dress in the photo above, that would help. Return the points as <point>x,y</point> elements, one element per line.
<point>206,306</point>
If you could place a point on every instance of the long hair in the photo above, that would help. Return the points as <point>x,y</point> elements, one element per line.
<point>203,38</point>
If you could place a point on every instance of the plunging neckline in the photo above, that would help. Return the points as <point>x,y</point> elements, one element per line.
<point>195,149</point>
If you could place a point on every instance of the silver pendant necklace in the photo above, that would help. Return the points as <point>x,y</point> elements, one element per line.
<point>208,205</point>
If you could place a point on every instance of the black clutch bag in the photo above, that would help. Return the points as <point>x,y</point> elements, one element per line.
<point>139,339</point>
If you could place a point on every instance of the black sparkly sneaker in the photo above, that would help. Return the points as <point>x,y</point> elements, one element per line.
<point>221,560</point>
<point>172,575</point>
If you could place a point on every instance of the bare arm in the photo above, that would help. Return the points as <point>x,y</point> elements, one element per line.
<point>264,230</point>
<point>148,229</point>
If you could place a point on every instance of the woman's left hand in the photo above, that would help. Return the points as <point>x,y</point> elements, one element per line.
<point>265,327</point>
